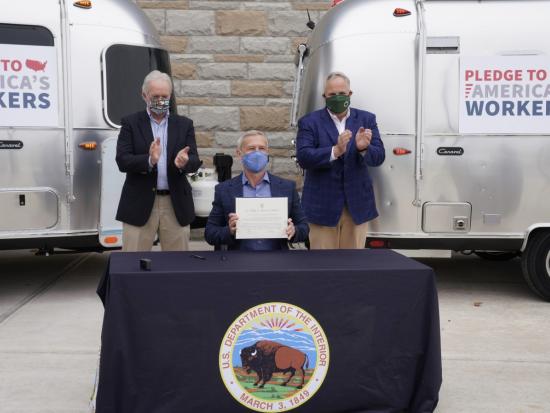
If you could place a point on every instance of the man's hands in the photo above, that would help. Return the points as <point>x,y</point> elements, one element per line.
<point>362,141</point>
<point>340,148</point>
<point>363,138</point>
<point>233,218</point>
<point>182,158</point>
<point>290,230</point>
<point>154,151</point>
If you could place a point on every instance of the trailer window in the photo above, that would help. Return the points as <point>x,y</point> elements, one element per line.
<point>124,69</point>
<point>25,35</point>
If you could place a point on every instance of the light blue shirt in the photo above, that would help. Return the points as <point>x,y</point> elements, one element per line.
<point>262,190</point>
<point>160,130</point>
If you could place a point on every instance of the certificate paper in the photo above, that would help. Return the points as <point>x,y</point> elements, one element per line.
<point>261,217</point>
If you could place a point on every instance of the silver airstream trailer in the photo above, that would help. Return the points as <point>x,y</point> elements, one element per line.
<point>68,73</point>
<point>461,90</point>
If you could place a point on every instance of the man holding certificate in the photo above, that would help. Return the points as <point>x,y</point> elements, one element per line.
<point>255,211</point>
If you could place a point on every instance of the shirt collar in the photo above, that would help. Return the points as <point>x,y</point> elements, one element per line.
<point>335,118</point>
<point>264,179</point>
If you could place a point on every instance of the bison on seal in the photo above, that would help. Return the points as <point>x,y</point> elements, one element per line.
<point>267,357</point>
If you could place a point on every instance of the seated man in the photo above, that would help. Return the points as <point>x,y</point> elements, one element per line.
<point>254,182</point>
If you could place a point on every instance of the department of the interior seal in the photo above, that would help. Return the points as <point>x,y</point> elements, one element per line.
<point>274,357</point>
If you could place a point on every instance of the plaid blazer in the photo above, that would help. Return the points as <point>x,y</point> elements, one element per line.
<point>329,186</point>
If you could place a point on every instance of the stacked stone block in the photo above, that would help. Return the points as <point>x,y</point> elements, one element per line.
<point>233,68</point>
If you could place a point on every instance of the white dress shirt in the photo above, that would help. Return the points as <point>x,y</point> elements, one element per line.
<point>340,125</point>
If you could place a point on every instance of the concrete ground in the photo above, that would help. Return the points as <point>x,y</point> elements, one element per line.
<point>495,334</point>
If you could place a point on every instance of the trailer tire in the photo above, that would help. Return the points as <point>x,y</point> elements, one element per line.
<point>497,255</point>
<point>535,264</point>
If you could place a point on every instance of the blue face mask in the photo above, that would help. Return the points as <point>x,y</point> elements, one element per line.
<point>255,161</point>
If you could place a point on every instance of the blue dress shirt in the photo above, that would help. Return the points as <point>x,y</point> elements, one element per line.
<point>160,130</point>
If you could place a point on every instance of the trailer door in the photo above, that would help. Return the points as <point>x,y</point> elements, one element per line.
<point>122,96</point>
<point>32,147</point>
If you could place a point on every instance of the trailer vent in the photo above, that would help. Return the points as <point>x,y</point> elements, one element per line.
<point>443,45</point>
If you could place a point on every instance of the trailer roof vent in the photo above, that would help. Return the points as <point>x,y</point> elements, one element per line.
<point>83,4</point>
<point>399,12</point>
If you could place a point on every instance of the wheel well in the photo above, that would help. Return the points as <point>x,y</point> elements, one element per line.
<point>533,232</point>
<point>534,262</point>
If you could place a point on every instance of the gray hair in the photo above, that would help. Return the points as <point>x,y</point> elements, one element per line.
<point>333,75</point>
<point>153,76</point>
<point>248,133</point>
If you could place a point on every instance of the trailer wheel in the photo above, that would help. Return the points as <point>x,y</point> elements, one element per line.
<point>535,264</point>
<point>497,255</point>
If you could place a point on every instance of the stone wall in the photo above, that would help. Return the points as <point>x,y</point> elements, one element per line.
<point>233,68</point>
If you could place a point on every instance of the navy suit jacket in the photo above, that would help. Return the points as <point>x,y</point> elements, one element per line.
<point>132,157</point>
<point>329,186</point>
<point>217,229</point>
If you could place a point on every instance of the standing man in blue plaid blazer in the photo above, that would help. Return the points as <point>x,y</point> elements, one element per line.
<point>336,146</point>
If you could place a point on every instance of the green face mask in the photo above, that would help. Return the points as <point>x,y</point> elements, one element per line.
<point>338,103</point>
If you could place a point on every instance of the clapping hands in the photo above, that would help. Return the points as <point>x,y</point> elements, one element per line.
<point>363,138</point>
<point>341,146</point>
<point>182,158</point>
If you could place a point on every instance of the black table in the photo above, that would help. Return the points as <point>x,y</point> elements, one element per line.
<point>164,332</point>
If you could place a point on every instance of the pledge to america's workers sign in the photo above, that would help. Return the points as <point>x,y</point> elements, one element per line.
<point>505,94</point>
<point>28,85</point>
